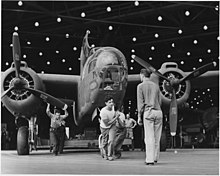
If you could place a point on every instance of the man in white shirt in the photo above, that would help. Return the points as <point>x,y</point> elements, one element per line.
<point>108,127</point>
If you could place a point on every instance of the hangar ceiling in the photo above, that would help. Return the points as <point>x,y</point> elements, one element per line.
<point>51,32</point>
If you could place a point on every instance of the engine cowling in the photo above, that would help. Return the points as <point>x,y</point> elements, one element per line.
<point>171,71</point>
<point>18,100</point>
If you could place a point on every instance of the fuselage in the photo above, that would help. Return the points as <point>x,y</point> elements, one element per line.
<point>104,73</point>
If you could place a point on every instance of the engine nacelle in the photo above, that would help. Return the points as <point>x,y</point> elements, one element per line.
<point>21,101</point>
<point>171,71</point>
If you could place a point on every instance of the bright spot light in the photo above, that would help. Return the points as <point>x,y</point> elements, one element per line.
<point>132,50</point>
<point>24,56</point>
<point>159,18</point>
<point>132,56</point>
<point>83,14</point>
<point>187,13</point>
<point>42,72</point>
<point>40,54</point>
<point>109,9</point>
<point>70,68</point>
<point>173,45</point>
<point>180,31</point>
<point>132,60</point>
<point>150,58</point>
<point>93,45</point>
<point>188,53</point>
<point>110,28</point>
<point>48,62</point>
<point>156,35</point>
<point>182,62</point>
<point>200,60</point>
<point>74,48</point>
<point>169,56</point>
<point>216,8</point>
<point>16,28</point>
<point>209,50</point>
<point>63,60</point>
<point>205,27</point>
<point>57,51</point>
<point>67,35</point>
<point>28,43</point>
<point>131,68</point>
<point>134,39</point>
<point>58,19</point>
<point>20,3</point>
<point>195,41</point>
<point>152,48</point>
<point>136,3</point>
<point>7,63</point>
<point>36,24</point>
<point>47,39</point>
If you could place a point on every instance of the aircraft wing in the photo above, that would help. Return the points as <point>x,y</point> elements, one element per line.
<point>60,86</point>
<point>206,80</point>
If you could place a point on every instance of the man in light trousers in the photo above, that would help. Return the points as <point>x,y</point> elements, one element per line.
<point>148,103</point>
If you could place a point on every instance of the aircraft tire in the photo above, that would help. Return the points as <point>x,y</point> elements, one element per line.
<point>22,141</point>
<point>163,141</point>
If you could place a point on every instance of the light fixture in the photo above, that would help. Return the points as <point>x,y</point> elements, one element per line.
<point>28,42</point>
<point>132,60</point>
<point>109,9</point>
<point>160,18</point>
<point>173,45</point>
<point>57,52</point>
<point>67,35</point>
<point>40,54</point>
<point>74,48</point>
<point>24,56</point>
<point>180,31</point>
<point>205,27</point>
<point>188,53</point>
<point>200,60</point>
<point>48,62</point>
<point>16,28</point>
<point>83,14</point>
<point>93,45</point>
<point>136,3</point>
<point>132,56</point>
<point>182,62</point>
<point>132,50</point>
<point>58,19</point>
<point>6,63</point>
<point>20,3</point>
<point>209,50</point>
<point>36,24</point>
<point>131,68</point>
<point>195,41</point>
<point>70,68</point>
<point>168,56</point>
<point>156,35</point>
<point>63,60</point>
<point>47,39</point>
<point>187,13</point>
<point>110,28</point>
<point>42,72</point>
<point>134,39</point>
<point>150,58</point>
<point>152,48</point>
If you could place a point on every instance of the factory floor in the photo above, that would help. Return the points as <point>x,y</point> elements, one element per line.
<point>89,162</point>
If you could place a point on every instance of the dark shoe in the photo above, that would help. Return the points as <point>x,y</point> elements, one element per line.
<point>118,155</point>
<point>56,153</point>
<point>155,161</point>
<point>149,163</point>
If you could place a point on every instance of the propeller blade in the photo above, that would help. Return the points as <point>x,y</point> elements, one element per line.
<point>7,91</point>
<point>48,98</point>
<point>173,114</point>
<point>152,69</point>
<point>199,71</point>
<point>16,52</point>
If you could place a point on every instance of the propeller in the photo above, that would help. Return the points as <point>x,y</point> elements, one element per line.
<point>16,51</point>
<point>174,82</point>
<point>19,83</point>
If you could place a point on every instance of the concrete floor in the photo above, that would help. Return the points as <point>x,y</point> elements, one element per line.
<point>184,162</point>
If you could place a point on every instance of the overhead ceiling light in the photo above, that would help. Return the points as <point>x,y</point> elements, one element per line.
<point>131,68</point>
<point>74,48</point>
<point>83,14</point>
<point>152,48</point>
<point>48,62</point>
<point>16,28</point>
<point>173,45</point>
<point>200,60</point>
<point>132,60</point>
<point>28,42</point>
<point>187,13</point>
<point>70,68</point>
<point>209,50</point>
<point>42,72</point>
<point>160,18</point>
<point>216,8</point>
<point>136,3</point>
<point>67,35</point>
<point>58,19</point>
<point>132,56</point>
<point>205,27</point>
<point>150,58</point>
<point>109,9</point>
<point>132,50</point>
<point>182,62</point>
<point>134,39</point>
<point>36,24</point>
<point>40,54</point>
<point>110,28</point>
<point>20,3</point>
<point>6,63</point>
<point>168,56</point>
<point>156,35</point>
<point>180,31</point>
<point>47,39</point>
<point>57,51</point>
<point>24,56</point>
<point>195,41</point>
<point>63,60</point>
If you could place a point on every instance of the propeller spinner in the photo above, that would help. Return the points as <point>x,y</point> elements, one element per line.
<point>173,83</point>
